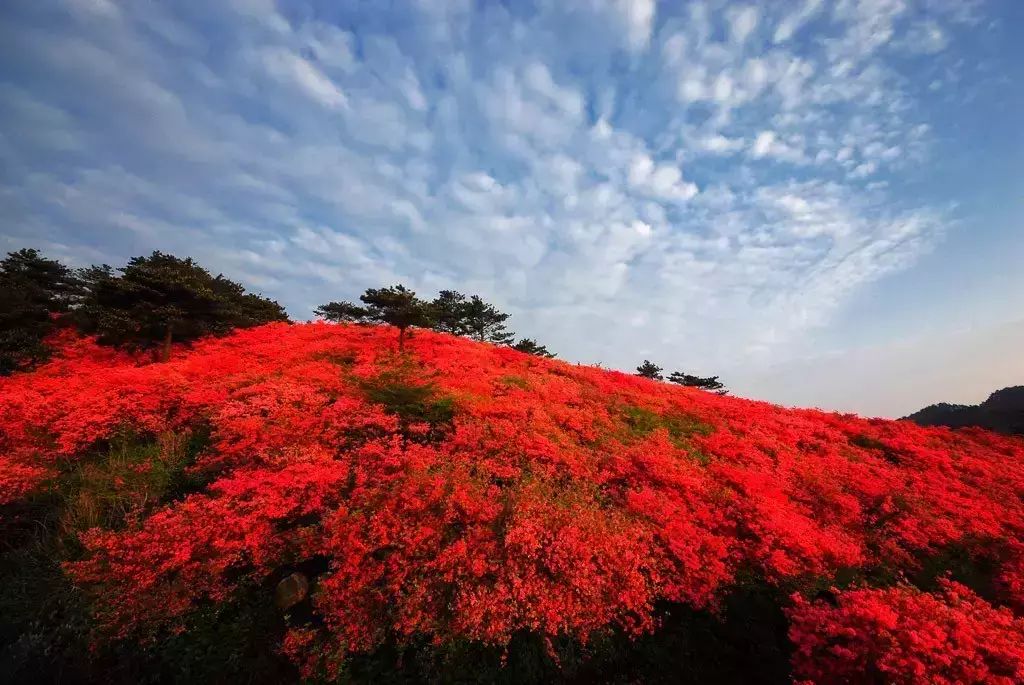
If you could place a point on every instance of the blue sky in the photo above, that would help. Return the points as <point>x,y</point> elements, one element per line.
<point>822,202</point>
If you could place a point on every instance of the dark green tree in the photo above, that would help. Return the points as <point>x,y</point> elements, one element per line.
<point>650,370</point>
<point>397,306</point>
<point>158,299</point>
<point>470,316</point>
<point>33,289</point>
<point>710,383</point>
<point>342,311</point>
<point>484,322</point>
<point>531,346</point>
<point>450,312</point>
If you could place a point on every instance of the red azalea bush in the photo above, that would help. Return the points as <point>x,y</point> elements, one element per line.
<point>901,635</point>
<point>464,491</point>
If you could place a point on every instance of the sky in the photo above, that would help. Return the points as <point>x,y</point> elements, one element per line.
<point>820,202</point>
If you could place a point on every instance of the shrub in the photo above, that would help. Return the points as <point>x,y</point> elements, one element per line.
<point>902,635</point>
<point>464,501</point>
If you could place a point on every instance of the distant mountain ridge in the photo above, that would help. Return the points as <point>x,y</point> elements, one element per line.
<point>1002,412</point>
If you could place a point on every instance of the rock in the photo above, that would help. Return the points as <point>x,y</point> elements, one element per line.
<point>290,591</point>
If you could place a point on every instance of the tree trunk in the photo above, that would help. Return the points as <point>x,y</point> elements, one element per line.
<point>401,339</point>
<point>165,352</point>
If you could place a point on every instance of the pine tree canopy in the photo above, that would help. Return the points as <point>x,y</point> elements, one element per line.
<point>160,298</point>
<point>649,370</point>
<point>530,346</point>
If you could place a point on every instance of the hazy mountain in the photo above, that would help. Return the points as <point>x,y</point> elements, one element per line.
<point>1002,412</point>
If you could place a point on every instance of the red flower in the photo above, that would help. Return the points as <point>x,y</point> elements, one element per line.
<point>471,491</point>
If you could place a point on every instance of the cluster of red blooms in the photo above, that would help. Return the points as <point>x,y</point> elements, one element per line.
<point>559,499</point>
<point>901,635</point>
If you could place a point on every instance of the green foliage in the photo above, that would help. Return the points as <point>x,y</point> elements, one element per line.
<point>343,359</point>
<point>470,316</point>
<point>404,391</point>
<point>641,422</point>
<point>449,306</point>
<point>225,642</point>
<point>958,561</point>
<point>397,306</point>
<point>512,380</point>
<point>744,642</point>
<point>484,322</point>
<point>709,383</point>
<point>32,289</point>
<point>45,623</point>
<point>868,442</point>
<point>531,346</point>
<point>134,475</point>
<point>161,298</point>
<point>46,626</point>
<point>342,311</point>
<point>649,370</point>
<point>450,312</point>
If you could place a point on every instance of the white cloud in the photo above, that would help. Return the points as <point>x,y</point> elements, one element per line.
<point>720,145</point>
<point>925,37</point>
<point>581,163</point>
<point>762,145</point>
<point>863,170</point>
<point>332,47</point>
<point>639,16</point>
<point>742,22</point>
<point>625,23</point>
<point>290,68</point>
<point>663,181</point>
<point>869,25</point>
<point>792,23</point>
<point>769,144</point>
<point>538,79</point>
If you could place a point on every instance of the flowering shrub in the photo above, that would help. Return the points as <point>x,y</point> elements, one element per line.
<point>902,635</point>
<point>462,491</point>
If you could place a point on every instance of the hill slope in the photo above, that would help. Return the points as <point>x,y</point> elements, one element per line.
<point>1002,412</point>
<point>303,497</point>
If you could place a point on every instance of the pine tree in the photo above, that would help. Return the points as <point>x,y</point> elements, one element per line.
<point>470,316</point>
<point>484,322</point>
<point>710,383</point>
<point>530,346</point>
<point>397,306</point>
<point>649,370</point>
<point>341,311</point>
<point>161,298</point>
<point>450,312</point>
<point>32,290</point>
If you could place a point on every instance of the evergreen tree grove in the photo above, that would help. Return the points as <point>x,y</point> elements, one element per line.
<point>397,306</point>
<point>471,316</point>
<point>484,322</point>
<point>531,346</point>
<point>449,311</point>
<point>161,298</point>
<point>32,290</point>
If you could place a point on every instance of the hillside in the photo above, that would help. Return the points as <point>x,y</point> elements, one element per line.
<point>302,499</point>
<point>1002,412</point>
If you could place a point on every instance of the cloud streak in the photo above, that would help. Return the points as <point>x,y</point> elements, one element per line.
<point>697,183</point>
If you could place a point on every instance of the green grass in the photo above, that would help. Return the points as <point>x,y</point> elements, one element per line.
<point>681,427</point>
<point>403,390</point>
<point>45,622</point>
